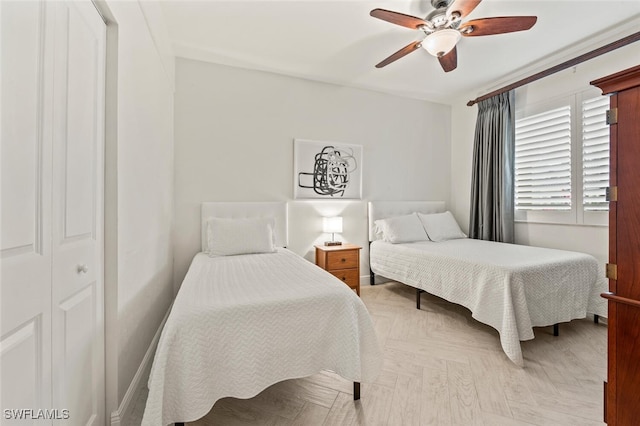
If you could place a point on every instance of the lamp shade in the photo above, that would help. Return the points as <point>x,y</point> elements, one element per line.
<point>332,224</point>
<point>441,42</point>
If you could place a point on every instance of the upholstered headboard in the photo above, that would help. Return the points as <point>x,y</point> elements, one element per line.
<point>385,209</point>
<point>237,210</point>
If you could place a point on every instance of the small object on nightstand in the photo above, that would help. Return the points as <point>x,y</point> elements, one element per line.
<point>333,243</point>
<point>331,225</point>
<point>342,261</point>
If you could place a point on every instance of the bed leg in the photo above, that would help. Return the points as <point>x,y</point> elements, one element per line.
<point>356,391</point>
<point>556,329</point>
<point>596,318</point>
<point>418,291</point>
<point>179,424</point>
<point>372,277</point>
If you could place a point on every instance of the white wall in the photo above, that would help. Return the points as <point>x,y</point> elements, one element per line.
<point>588,239</point>
<point>139,188</point>
<point>234,131</point>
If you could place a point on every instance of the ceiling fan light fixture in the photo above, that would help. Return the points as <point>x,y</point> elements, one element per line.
<point>440,42</point>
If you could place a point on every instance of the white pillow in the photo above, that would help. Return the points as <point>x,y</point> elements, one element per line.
<point>240,236</point>
<point>402,229</point>
<point>441,226</point>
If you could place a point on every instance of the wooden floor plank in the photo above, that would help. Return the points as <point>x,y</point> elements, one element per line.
<point>376,407</point>
<point>548,416</point>
<point>486,380</point>
<point>514,385</point>
<point>465,408</point>
<point>405,406</point>
<point>311,414</point>
<point>436,405</point>
<point>387,378</point>
<point>344,411</point>
<point>234,412</point>
<point>307,390</point>
<point>330,380</point>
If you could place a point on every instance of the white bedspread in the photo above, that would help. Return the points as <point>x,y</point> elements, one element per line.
<point>242,323</point>
<point>510,287</point>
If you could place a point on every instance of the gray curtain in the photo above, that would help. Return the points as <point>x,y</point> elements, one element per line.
<point>492,184</point>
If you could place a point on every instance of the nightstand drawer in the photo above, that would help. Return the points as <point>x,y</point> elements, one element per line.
<point>348,276</point>
<point>342,259</point>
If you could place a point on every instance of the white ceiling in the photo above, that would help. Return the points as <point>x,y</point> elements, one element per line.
<point>337,41</point>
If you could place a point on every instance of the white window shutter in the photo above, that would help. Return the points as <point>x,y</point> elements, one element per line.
<point>543,161</point>
<point>595,153</point>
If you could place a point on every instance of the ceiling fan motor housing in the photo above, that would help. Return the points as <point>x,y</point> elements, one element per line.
<point>438,18</point>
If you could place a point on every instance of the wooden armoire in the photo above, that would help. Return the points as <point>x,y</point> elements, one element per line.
<point>622,388</point>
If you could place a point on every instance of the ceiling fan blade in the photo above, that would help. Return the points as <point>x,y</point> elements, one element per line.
<point>463,7</point>
<point>398,18</point>
<point>449,62</point>
<point>399,54</point>
<point>500,25</point>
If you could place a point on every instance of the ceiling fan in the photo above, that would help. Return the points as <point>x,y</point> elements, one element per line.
<point>443,28</point>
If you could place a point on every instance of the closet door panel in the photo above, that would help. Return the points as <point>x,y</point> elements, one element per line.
<point>78,135</point>
<point>627,339</point>
<point>622,399</point>
<point>25,241</point>
<point>22,58</point>
<point>78,314</point>
<point>80,139</point>
<point>627,368</point>
<point>23,363</point>
<point>628,205</point>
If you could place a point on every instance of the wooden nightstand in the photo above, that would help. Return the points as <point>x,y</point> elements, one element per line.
<point>342,261</point>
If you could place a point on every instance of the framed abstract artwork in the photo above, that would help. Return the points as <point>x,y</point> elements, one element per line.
<point>330,170</point>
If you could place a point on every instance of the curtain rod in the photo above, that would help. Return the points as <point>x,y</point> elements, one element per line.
<point>567,64</point>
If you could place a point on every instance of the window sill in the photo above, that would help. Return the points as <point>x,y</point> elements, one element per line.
<point>540,222</point>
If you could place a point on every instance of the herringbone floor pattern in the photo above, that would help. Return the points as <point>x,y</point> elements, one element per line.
<point>441,368</point>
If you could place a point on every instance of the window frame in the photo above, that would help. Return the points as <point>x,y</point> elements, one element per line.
<point>576,215</point>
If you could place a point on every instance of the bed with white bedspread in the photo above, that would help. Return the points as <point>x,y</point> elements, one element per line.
<point>510,287</point>
<point>242,323</point>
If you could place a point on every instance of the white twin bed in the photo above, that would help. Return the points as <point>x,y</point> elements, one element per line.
<point>510,287</point>
<point>241,323</point>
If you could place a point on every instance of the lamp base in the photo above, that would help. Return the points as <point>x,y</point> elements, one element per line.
<point>333,243</point>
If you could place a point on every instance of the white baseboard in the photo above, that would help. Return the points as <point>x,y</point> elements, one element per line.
<point>124,410</point>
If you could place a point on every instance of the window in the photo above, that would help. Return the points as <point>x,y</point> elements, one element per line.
<point>543,161</point>
<point>562,161</point>
<point>595,154</point>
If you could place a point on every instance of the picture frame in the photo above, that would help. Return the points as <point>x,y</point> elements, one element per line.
<point>327,170</point>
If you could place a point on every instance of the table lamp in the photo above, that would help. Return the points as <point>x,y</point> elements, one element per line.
<point>331,225</point>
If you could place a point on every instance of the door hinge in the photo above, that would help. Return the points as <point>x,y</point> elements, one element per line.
<point>612,116</point>
<point>611,193</point>
<point>612,271</point>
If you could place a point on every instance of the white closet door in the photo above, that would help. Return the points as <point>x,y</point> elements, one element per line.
<point>25,208</point>
<point>51,235</point>
<point>77,221</point>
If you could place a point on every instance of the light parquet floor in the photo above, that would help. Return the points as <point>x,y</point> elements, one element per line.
<point>441,367</point>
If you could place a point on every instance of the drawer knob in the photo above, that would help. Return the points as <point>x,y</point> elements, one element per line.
<point>344,278</point>
<point>343,260</point>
